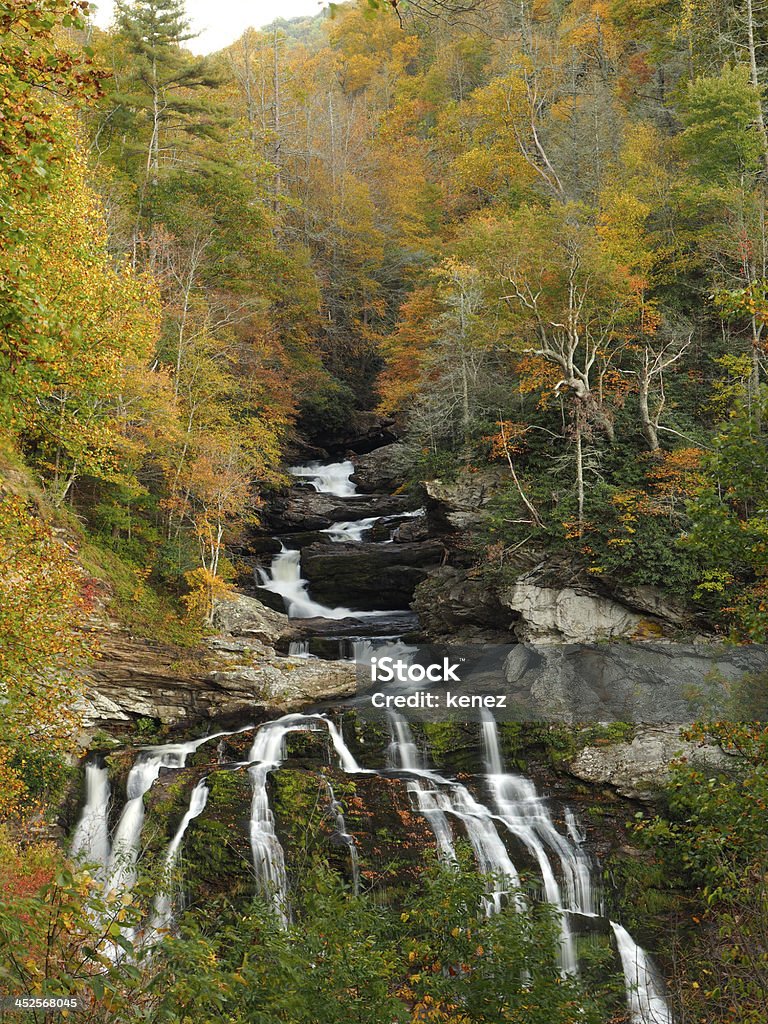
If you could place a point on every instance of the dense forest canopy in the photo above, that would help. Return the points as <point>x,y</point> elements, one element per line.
<point>530,234</point>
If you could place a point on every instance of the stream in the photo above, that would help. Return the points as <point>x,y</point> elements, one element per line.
<point>508,824</point>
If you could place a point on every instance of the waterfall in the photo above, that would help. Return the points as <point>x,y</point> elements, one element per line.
<point>268,751</point>
<point>351,532</point>
<point>437,797</point>
<point>522,811</point>
<point>330,479</point>
<point>647,1004</point>
<point>428,801</point>
<point>515,808</point>
<point>298,649</point>
<point>525,814</point>
<point>121,865</point>
<point>163,907</point>
<point>284,578</point>
<point>90,841</point>
<point>341,832</point>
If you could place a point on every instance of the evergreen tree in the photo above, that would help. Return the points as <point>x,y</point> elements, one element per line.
<point>158,99</point>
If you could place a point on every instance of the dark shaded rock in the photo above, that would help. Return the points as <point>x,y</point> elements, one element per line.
<point>411,530</point>
<point>648,683</point>
<point>305,510</point>
<point>384,469</point>
<point>363,432</point>
<point>459,504</point>
<point>395,623</point>
<point>452,605</point>
<point>368,576</point>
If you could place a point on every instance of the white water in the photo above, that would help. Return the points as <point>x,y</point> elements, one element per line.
<point>647,1004</point>
<point>284,578</point>
<point>341,831</point>
<point>525,816</point>
<point>330,479</point>
<point>517,808</point>
<point>351,532</point>
<point>121,865</point>
<point>268,750</point>
<point>162,916</point>
<point>438,797</point>
<point>299,649</point>
<point>90,842</point>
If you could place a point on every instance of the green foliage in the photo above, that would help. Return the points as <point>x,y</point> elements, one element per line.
<point>730,524</point>
<point>720,117</point>
<point>709,846</point>
<point>343,960</point>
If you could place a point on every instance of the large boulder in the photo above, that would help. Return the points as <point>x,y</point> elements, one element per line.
<point>453,606</point>
<point>383,470</point>
<point>566,614</point>
<point>651,682</point>
<point>460,503</point>
<point>239,615</point>
<point>640,767</point>
<point>229,678</point>
<point>368,577</point>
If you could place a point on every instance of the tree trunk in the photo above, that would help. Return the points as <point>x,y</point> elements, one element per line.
<point>579,474</point>
<point>755,79</point>
<point>649,429</point>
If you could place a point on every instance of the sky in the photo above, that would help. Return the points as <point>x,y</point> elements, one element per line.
<point>221,22</point>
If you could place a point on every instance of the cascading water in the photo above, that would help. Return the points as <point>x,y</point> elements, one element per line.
<point>162,916</point>
<point>267,751</point>
<point>517,809</point>
<point>438,797</point>
<point>118,866</point>
<point>351,532</point>
<point>647,1004</point>
<point>90,841</point>
<point>344,837</point>
<point>284,578</point>
<point>329,479</point>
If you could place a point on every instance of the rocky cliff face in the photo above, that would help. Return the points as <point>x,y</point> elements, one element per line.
<point>235,673</point>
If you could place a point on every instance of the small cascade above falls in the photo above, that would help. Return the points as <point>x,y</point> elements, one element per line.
<point>284,575</point>
<point>284,578</point>
<point>333,478</point>
<point>352,532</point>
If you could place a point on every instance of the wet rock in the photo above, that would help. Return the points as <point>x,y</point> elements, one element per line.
<point>368,577</point>
<point>451,605</point>
<point>648,682</point>
<point>383,470</point>
<point>410,531</point>
<point>305,510</point>
<point>363,432</point>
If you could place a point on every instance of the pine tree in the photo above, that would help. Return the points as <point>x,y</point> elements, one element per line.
<point>159,95</point>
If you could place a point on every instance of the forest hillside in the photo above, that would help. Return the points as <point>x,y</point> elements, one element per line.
<point>522,244</point>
